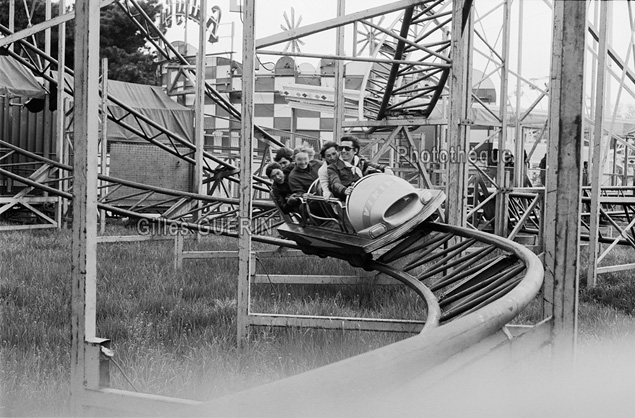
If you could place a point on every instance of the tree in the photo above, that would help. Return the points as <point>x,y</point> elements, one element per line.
<point>129,58</point>
<point>37,13</point>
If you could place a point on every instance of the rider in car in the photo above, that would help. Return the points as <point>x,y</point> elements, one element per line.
<point>350,167</point>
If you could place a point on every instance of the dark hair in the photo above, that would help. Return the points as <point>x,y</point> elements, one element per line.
<point>283,152</point>
<point>351,138</point>
<point>326,146</point>
<point>271,167</point>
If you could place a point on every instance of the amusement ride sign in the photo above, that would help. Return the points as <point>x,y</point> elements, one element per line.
<point>177,11</point>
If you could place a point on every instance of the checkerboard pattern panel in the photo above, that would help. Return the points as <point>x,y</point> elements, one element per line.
<point>270,107</point>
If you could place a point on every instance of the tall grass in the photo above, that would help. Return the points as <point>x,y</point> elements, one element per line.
<point>174,332</point>
<point>607,311</point>
<point>35,295</point>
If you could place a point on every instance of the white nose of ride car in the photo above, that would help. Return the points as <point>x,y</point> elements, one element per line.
<point>381,202</point>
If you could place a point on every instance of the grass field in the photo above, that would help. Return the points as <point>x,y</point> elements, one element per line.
<point>173,332</point>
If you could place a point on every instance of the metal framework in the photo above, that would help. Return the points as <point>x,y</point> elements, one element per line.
<point>505,203</point>
<point>415,66</point>
<point>130,199</point>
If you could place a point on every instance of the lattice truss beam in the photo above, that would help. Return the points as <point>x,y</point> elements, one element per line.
<point>414,35</point>
<point>203,213</point>
<point>526,205</point>
<point>215,168</point>
<point>25,197</point>
<point>523,205</point>
<point>617,209</point>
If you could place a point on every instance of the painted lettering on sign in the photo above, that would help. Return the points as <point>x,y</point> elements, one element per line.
<point>177,11</point>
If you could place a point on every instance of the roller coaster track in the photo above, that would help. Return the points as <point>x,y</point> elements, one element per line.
<point>418,45</point>
<point>466,270</point>
<point>467,287</point>
<point>472,283</point>
<point>454,266</point>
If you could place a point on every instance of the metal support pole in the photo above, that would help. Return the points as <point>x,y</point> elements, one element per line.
<point>625,167</point>
<point>355,29</point>
<point>246,160</point>
<point>458,121</point>
<point>500,226</point>
<point>597,162</point>
<point>563,177</point>
<point>178,251</point>
<point>199,104</point>
<point>593,64</point>
<point>294,127</point>
<point>104,137</point>
<point>84,365</point>
<point>519,151</point>
<point>47,50</point>
<point>614,159</point>
<point>187,17</point>
<point>59,122</point>
<point>339,113</point>
<point>12,19</point>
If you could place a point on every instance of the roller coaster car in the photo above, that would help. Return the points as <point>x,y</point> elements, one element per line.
<point>380,209</point>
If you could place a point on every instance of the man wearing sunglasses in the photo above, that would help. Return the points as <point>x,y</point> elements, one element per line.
<point>350,167</point>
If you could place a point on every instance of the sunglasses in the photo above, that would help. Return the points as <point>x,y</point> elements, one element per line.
<point>341,148</point>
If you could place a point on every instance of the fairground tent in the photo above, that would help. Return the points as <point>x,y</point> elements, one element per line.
<point>153,103</point>
<point>17,81</point>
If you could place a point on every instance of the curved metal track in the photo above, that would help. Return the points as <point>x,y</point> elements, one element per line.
<point>418,44</point>
<point>472,283</point>
<point>419,33</point>
<point>480,283</point>
<point>463,269</point>
<point>456,271</point>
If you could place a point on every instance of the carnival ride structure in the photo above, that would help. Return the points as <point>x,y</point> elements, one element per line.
<point>473,283</point>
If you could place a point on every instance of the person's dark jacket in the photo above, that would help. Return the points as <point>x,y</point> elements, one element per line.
<point>340,177</point>
<point>287,170</point>
<point>280,194</point>
<point>300,180</point>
